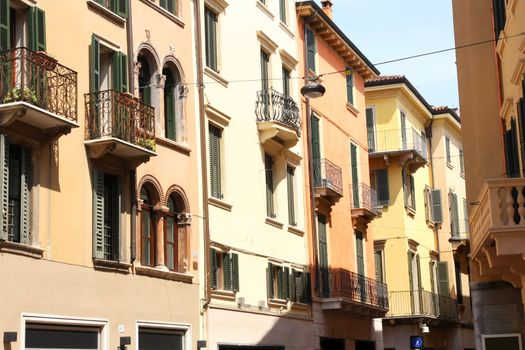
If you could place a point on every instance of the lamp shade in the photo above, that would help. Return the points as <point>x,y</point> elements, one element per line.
<point>313,90</point>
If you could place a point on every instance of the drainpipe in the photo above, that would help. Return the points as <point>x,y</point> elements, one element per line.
<point>204,163</point>
<point>133,172</point>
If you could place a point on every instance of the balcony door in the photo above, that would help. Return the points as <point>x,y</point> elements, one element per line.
<point>370,128</point>
<point>323,255</point>
<point>360,262</point>
<point>355,176</point>
<point>316,150</point>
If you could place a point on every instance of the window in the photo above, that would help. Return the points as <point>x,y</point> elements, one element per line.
<point>160,338</point>
<point>414,278</point>
<point>465,215</point>
<point>290,182</point>
<point>16,32</point>
<point>224,270</point>
<point>215,141</point>
<point>16,191</point>
<point>287,283</point>
<point>170,238</point>
<point>380,181</point>
<point>169,5</point>
<point>147,229</point>
<point>106,216</point>
<point>282,10</point>
<point>323,255</point>
<point>360,254</point>
<point>355,176</point>
<point>119,7</point>
<point>403,130</point>
<point>511,150</point>
<point>265,65</point>
<point>459,285</point>
<point>461,162</point>
<point>447,149</point>
<point>310,50</point>
<point>210,38</point>
<point>433,207</point>
<point>268,169</point>
<point>286,82</point>
<point>174,98</point>
<point>47,336</point>
<point>349,86</point>
<point>378,260</point>
<point>409,190</point>
<point>500,17</point>
<point>442,273</point>
<point>370,129</point>
<point>453,213</point>
<point>501,341</point>
<point>108,68</point>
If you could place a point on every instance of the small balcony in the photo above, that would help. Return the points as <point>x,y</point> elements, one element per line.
<point>348,291</point>
<point>38,95</point>
<point>120,125</point>
<point>277,118</point>
<point>497,225</point>
<point>364,203</point>
<point>420,305</point>
<point>407,147</point>
<point>328,180</point>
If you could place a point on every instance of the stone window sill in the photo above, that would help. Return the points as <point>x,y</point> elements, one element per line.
<point>175,145</point>
<point>450,166</point>
<point>265,9</point>
<point>352,109</point>
<point>226,295</point>
<point>215,76</point>
<point>286,29</point>
<point>410,211</point>
<point>21,249</point>
<point>274,223</point>
<point>295,231</point>
<point>277,303</point>
<point>111,266</point>
<point>220,204</point>
<point>106,13</point>
<point>169,275</point>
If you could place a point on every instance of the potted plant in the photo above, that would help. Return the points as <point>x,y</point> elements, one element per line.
<point>147,143</point>
<point>17,94</point>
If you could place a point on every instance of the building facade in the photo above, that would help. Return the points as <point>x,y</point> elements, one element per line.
<point>257,276</point>
<point>99,244</point>
<point>340,203</point>
<point>407,143</point>
<point>491,90</point>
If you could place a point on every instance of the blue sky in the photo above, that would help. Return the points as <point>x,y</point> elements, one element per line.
<point>385,30</point>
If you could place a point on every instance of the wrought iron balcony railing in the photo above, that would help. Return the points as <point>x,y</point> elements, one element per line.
<point>364,197</point>
<point>110,113</point>
<point>274,106</point>
<point>38,79</point>
<point>329,175</point>
<point>354,287</point>
<point>421,303</point>
<point>397,140</point>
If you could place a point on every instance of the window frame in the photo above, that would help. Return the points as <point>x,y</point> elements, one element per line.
<point>184,328</point>
<point>211,49</point>
<point>447,151</point>
<point>218,193</point>
<point>350,98</point>
<point>227,273</point>
<point>152,237</point>
<point>171,214</point>
<point>311,63</point>
<point>291,194</point>
<point>270,188</point>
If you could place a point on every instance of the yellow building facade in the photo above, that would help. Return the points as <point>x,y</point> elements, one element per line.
<point>412,252</point>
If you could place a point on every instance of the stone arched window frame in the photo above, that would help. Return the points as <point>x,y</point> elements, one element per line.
<point>182,217</point>
<point>181,93</point>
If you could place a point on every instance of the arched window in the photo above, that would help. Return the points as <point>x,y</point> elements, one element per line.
<point>144,80</point>
<point>173,100</point>
<point>171,237</point>
<point>147,229</point>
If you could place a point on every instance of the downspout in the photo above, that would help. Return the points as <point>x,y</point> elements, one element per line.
<point>132,172</point>
<point>311,169</point>
<point>203,155</point>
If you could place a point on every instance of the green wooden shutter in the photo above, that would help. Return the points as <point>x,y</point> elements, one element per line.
<point>123,67</point>
<point>269,280</point>
<point>292,291</point>
<point>403,131</point>
<point>120,7</point>
<point>442,271</point>
<point>215,161</point>
<point>316,150</point>
<point>418,265</point>
<point>360,258</point>
<point>4,184</point>
<point>370,129</point>
<point>307,295</point>
<point>323,250</point>
<point>227,273</point>
<point>291,195</point>
<point>94,69</point>
<point>169,110</point>
<point>210,38</point>
<point>115,218</point>
<point>410,257</point>
<point>383,193</point>
<point>265,60</point>
<point>349,87</point>
<point>310,48</point>
<point>25,198</point>
<point>235,272</point>
<point>436,209</point>
<point>36,19</point>
<point>286,283</point>
<point>98,214</point>
<point>355,176</point>
<point>412,193</point>
<point>378,260</point>
<point>115,65</point>
<point>282,10</point>
<point>213,270</point>
<point>286,82</point>
<point>5,25</point>
<point>432,276</point>
<point>455,214</point>
<point>268,165</point>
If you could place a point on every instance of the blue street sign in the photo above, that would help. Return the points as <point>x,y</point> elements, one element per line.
<point>416,342</point>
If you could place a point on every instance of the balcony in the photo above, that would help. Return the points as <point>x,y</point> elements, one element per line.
<point>119,125</point>
<point>328,180</point>
<point>497,228</point>
<point>364,204</point>
<point>277,118</point>
<point>407,147</point>
<point>39,95</point>
<point>420,305</point>
<point>349,291</point>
